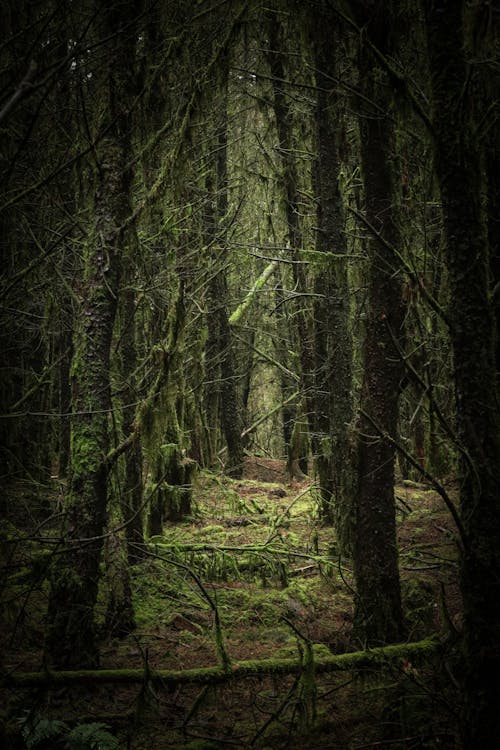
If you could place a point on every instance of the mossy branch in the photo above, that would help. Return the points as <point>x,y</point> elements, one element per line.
<point>240,311</point>
<point>374,659</point>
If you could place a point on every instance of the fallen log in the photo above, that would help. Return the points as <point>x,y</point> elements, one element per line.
<point>375,658</point>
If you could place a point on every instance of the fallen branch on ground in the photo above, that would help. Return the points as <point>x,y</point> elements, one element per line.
<point>376,658</point>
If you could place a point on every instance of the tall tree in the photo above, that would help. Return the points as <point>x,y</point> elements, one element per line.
<point>220,342</point>
<point>379,614</point>
<point>291,196</point>
<point>333,392</point>
<point>71,637</point>
<point>462,115</point>
<point>31,233</point>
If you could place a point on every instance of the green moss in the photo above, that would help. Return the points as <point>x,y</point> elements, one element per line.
<point>290,649</point>
<point>376,658</point>
<point>85,456</point>
<point>326,447</point>
<point>212,531</point>
<point>170,453</point>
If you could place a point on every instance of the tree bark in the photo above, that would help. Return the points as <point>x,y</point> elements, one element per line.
<point>333,342</point>
<point>71,634</point>
<point>459,107</point>
<point>220,336</point>
<point>290,191</point>
<point>133,485</point>
<point>378,612</point>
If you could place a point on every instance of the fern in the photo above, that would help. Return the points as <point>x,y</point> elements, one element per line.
<point>37,730</point>
<point>91,737</point>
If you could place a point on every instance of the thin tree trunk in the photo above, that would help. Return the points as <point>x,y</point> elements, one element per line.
<point>133,484</point>
<point>220,336</point>
<point>66,353</point>
<point>288,384</point>
<point>290,188</point>
<point>333,342</point>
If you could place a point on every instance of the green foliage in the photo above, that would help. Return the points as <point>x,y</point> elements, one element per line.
<point>91,737</point>
<point>40,732</point>
<point>36,731</point>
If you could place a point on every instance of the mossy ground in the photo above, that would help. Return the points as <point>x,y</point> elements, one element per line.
<point>273,572</point>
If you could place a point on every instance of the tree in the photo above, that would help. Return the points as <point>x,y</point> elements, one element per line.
<point>378,605</point>
<point>71,637</point>
<point>34,333</point>
<point>292,199</point>
<point>462,113</point>
<point>220,347</point>
<point>333,388</point>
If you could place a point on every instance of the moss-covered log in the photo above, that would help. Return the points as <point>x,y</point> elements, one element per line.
<point>373,659</point>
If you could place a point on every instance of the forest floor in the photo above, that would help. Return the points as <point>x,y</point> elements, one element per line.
<point>273,572</point>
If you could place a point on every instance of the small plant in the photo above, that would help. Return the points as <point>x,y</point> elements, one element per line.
<point>36,731</point>
<point>91,737</point>
<point>41,732</point>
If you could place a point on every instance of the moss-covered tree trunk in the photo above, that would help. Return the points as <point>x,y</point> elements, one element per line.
<point>288,384</point>
<point>378,612</point>
<point>165,440</point>
<point>126,547</point>
<point>133,482</point>
<point>65,345</point>
<point>283,110</point>
<point>333,345</point>
<point>226,387</point>
<point>221,350</point>
<point>493,207</point>
<point>71,635</point>
<point>460,110</point>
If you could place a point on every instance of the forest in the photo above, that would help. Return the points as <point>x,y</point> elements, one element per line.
<point>249,377</point>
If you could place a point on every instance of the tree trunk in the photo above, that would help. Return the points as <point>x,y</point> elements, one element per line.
<point>378,614</point>
<point>71,635</point>
<point>459,106</point>
<point>290,190</point>
<point>283,346</point>
<point>333,342</point>
<point>220,337</point>
<point>132,490</point>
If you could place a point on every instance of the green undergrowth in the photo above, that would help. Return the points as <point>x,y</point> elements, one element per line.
<point>256,554</point>
<point>253,574</point>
